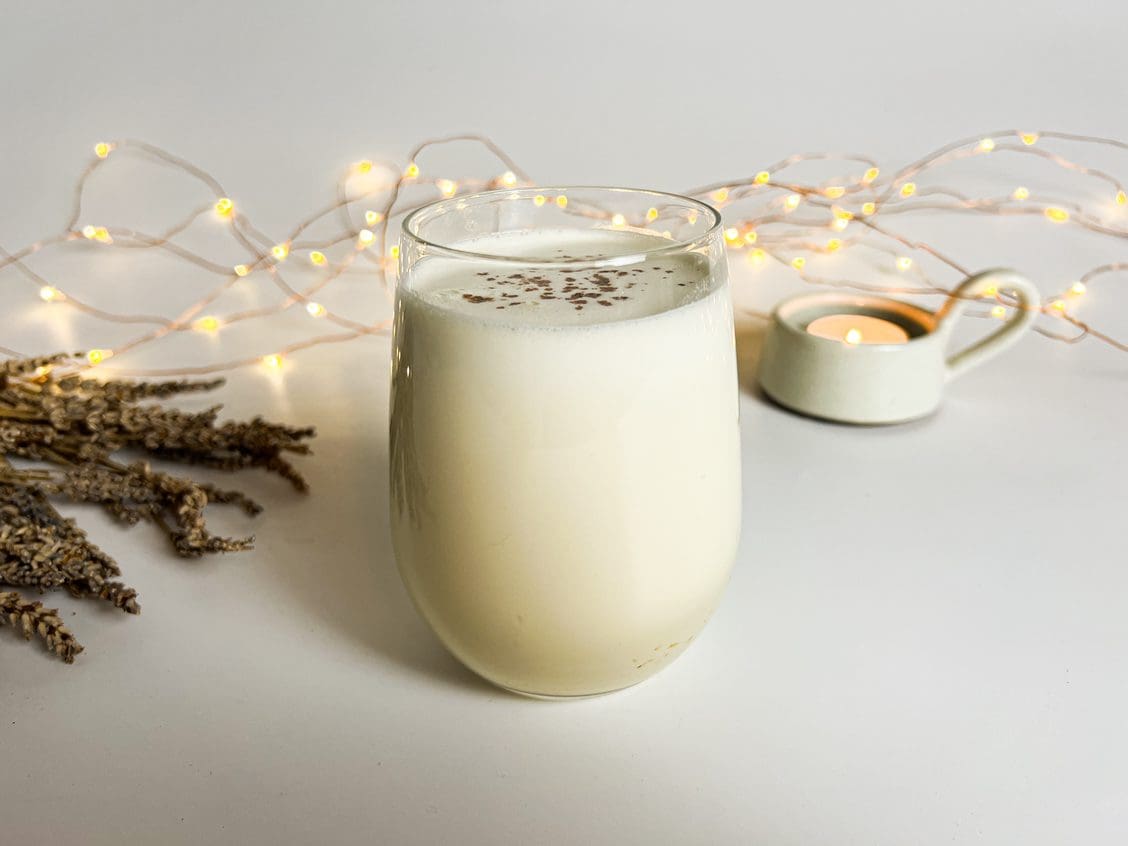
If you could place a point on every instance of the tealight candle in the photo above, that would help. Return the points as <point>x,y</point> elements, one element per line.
<point>857,329</point>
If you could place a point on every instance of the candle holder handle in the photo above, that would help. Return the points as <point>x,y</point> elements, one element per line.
<point>1027,309</point>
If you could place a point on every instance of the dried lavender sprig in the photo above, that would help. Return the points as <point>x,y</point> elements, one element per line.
<point>31,618</point>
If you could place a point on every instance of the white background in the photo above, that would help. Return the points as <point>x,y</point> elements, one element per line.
<point>924,637</point>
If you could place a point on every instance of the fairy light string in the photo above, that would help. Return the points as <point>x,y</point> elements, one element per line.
<point>770,216</point>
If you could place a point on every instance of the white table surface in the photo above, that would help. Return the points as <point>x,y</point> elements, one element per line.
<point>924,639</point>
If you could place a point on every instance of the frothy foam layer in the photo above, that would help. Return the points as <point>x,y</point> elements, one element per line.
<point>506,292</point>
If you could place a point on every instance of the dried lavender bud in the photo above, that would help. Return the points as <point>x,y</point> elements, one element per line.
<point>31,618</point>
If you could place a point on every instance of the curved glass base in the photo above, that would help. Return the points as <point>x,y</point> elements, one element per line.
<point>566,697</point>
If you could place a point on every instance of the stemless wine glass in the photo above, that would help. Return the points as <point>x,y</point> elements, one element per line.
<point>565,468</point>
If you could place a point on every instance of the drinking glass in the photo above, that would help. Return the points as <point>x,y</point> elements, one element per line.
<point>565,469</point>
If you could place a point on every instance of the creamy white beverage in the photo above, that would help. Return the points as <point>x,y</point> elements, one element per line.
<point>565,454</point>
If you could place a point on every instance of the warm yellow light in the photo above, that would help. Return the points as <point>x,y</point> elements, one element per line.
<point>538,200</point>
<point>798,262</point>
<point>1077,289</point>
<point>839,224</point>
<point>998,312</point>
<point>363,166</point>
<point>1056,214</point>
<point>841,213</point>
<point>272,361</point>
<point>364,238</point>
<point>280,251</point>
<point>618,220</point>
<point>224,207</point>
<point>869,208</point>
<point>318,258</point>
<point>870,175</point>
<point>88,231</point>
<point>908,189</point>
<point>853,336</point>
<point>1121,198</point>
<point>372,217</point>
<point>762,178</point>
<point>393,252</point>
<point>446,187</point>
<point>732,234</point>
<point>241,270</point>
<point>834,191</point>
<point>1058,305</point>
<point>102,149</point>
<point>102,235</point>
<point>757,256</point>
<point>207,324</point>
<point>834,245</point>
<point>509,179</point>
<point>792,202</point>
<point>412,171</point>
<point>651,214</point>
<point>721,195</point>
<point>990,292</point>
<point>1021,192</point>
<point>315,309</point>
<point>49,293</point>
<point>691,217</point>
<point>96,357</point>
<point>1029,138</point>
<point>904,262</point>
<point>750,236</point>
<point>986,145</point>
<point>562,201</point>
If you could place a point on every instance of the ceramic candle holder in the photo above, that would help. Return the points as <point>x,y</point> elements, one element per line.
<point>849,379</point>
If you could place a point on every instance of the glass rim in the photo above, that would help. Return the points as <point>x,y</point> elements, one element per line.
<point>410,225</point>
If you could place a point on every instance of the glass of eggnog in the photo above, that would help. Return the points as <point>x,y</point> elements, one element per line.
<point>564,456</point>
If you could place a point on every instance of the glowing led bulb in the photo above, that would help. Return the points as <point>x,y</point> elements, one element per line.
<point>908,189</point>
<point>363,166</point>
<point>1121,198</point>
<point>280,251</point>
<point>364,238</point>
<point>853,336</point>
<point>372,217</point>
<point>834,191</point>
<point>241,270</point>
<point>721,195</point>
<point>834,245</point>
<point>870,175</point>
<point>998,312</point>
<point>224,207</point>
<point>869,208</point>
<point>990,292</point>
<point>538,200</point>
<point>618,220</point>
<point>1056,214</point>
<point>446,187</point>
<point>798,262</point>
<point>49,293</point>
<point>841,213</point>
<point>732,234</point>
<point>315,309</point>
<point>792,202</point>
<point>508,179</point>
<point>904,262</point>
<point>1029,138</point>
<point>757,256</point>
<point>101,235</point>
<point>986,145</point>
<point>750,236</point>
<point>272,361</point>
<point>1021,192</point>
<point>562,201</point>
<point>96,357</point>
<point>393,252</point>
<point>207,324</point>
<point>318,258</point>
<point>102,149</point>
<point>651,214</point>
<point>839,224</point>
<point>762,178</point>
<point>1058,305</point>
<point>411,171</point>
<point>88,231</point>
<point>1077,289</point>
